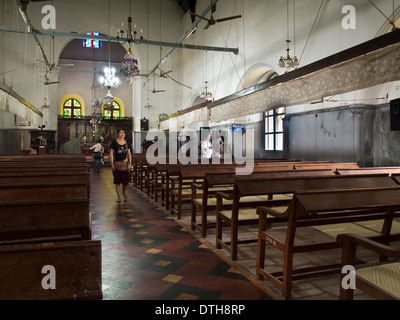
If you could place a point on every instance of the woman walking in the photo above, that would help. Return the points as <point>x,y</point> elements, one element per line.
<point>120,157</point>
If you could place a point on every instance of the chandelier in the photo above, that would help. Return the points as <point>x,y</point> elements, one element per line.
<point>129,36</point>
<point>109,80</point>
<point>129,66</point>
<point>288,62</point>
<point>206,95</point>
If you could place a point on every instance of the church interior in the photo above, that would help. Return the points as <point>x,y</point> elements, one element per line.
<point>263,139</point>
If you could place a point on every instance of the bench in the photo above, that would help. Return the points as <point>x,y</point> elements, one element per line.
<point>40,191</point>
<point>205,201</point>
<point>28,171</point>
<point>40,220</point>
<point>171,174</point>
<point>379,280</point>
<point>32,166</point>
<point>283,187</point>
<point>396,177</point>
<point>39,158</point>
<point>333,166</point>
<point>292,163</point>
<point>188,176</point>
<point>156,180</point>
<point>320,208</point>
<point>369,170</point>
<point>45,177</point>
<point>77,267</point>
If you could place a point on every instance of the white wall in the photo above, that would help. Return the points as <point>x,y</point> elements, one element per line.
<point>260,36</point>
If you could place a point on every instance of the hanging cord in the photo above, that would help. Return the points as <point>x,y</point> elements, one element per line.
<point>294,28</point>
<point>230,56</point>
<point>108,30</point>
<point>391,22</point>
<point>309,35</point>
<point>244,48</point>
<point>287,19</point>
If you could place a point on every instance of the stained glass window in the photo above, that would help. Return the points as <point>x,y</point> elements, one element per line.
<point>113,113</point>
<point>72,109</point>
<point>274,129</point>
<point>92,43</point>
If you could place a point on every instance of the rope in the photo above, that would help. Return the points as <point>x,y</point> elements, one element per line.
<point>315,20</point>
<point>244,48</point>
<point>226,44</point>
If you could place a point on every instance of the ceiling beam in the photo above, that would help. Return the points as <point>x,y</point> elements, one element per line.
<point>74,35</point>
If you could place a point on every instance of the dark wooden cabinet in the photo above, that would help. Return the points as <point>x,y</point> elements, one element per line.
<point>87,134</point>
<point>43,141</point>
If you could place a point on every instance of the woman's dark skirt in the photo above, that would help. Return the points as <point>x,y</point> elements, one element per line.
<point>121,177</point>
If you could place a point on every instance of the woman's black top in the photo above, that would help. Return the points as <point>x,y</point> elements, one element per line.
<point>120,151</point>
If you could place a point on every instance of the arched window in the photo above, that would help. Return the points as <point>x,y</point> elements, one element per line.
<point>72,108</point>
<point>114,112</point>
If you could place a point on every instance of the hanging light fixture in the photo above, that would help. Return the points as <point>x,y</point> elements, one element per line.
<point>129,66</point>
<point>288,62</point>
<point>206,95</point>
<point>109,80</point>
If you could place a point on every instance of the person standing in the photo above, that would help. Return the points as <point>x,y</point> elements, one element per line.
<point>206,148</point>
<point>98,151</point>
<point>120,157</point>
<point>221,146</point>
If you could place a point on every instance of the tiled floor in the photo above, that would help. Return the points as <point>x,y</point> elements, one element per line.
<point>146,255</point>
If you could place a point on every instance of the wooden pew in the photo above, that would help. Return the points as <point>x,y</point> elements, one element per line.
<point>156,180</point>
<point>77,267</point>
<point>292,163</point>
<point>44,220</point>
<point>34,177</point>
<point>173,171</point>
<point>396,177</point>
<point>280,186</point>
<point>333,166</point>
<point>40,191</point>
<point>171,174</point>
<point>379,280</point>
<point>312,209</point>
<point>44,170</point>
<point>181,185</point>
<point>205,201</point>
<point>24,166</point>
<point>50,157</point>
<point>369,170</point>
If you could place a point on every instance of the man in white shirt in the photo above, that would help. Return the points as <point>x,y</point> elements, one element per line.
<point>98,151</point>
<point>206,148</point>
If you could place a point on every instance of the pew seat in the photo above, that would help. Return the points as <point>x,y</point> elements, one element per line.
<point>378,280</point>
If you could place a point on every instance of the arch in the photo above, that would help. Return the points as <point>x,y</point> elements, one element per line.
<point>259,72</point>
<point>197,100</point>
<point>120,104</point>
<point>72,96</point>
